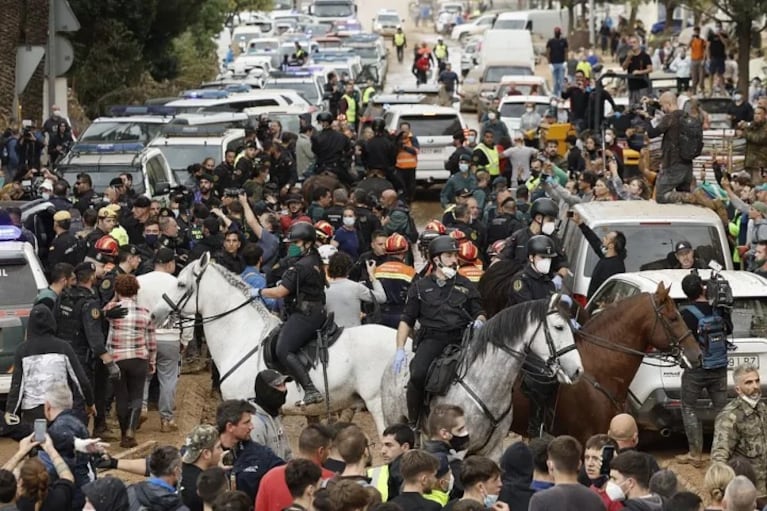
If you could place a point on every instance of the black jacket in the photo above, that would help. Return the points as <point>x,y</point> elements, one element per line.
<point>606,267</point>
<point>379,153</point>
<point>517,467</point>
<point>147,495</point>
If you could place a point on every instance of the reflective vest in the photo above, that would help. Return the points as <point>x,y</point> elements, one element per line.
<point>493,166</point>
<point>471,272</point>
<point>440,51</point>
<point>406,160</point>
<point>367,94</point>
<point>351,108</point>
<point>438,496</point>
<point>399,39</point>
<point>379,478</point>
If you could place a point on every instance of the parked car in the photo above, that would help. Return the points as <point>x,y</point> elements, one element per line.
<point>475,27</point>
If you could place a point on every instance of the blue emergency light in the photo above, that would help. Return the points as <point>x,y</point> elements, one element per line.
<point>204,94</point>
<point>128,147</point>
<point>9,233</point>
<point>128,110</point>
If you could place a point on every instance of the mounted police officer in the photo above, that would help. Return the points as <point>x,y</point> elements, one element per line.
<point>534,282</point>
<point>333,149</point>
<point>544,213</point>
<point>303,288</point>
<point>79,321</point>
<point>444,303</point>
<point>710,326</point>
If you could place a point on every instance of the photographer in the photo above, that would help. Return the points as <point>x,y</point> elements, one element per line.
<point>708,319</point>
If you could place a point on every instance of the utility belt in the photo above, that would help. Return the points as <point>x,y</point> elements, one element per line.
<point>446,337</point>
<point>306,307</point>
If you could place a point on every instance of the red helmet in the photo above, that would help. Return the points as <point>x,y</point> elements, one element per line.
<point>107,245</point>
<point>324,230</point>
<point>459,236</point>
<point>468,252</point>
<point>496,248</point>
<point>396,244</point>
<point>436,226</point>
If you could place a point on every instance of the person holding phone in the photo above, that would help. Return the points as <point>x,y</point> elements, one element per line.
<point>638,64</point>
<point>600,450</point>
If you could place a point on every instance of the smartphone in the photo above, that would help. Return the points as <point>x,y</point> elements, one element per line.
<point>570,213</point>
<point>41,428</point>
<point>608,452</point>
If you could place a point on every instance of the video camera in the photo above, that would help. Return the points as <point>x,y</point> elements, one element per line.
<point>233,192</point>
<point>718,289</point>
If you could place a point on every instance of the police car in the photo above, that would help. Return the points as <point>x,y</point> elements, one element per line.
<point>387,22</point>
<point>655,393</point>
<point>184,145</point>
<point>21,278</point>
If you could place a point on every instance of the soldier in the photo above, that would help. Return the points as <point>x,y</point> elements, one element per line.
<point>65,247</point>
<point>741,427</point>
<point>79,321</point>
<point>395,277</point>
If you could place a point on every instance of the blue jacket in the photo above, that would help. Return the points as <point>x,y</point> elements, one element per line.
<point>252,461</point>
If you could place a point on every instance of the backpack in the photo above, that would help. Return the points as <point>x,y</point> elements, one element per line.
<point>712,335</point>
<point>690,137</point>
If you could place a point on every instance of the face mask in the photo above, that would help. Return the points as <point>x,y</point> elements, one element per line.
<point>449,271</point>
<point>609,139</point>
<point>349,221</point>
<point>490,500</point>
<point>45,196</point>
<point>548,228</point>
<point>450,484</point>
<point>542,265</point>
<point>603,249</point>
<point>753,401</point>
<point>268,178</point>
<point>528,110</point>
<point>463,167</point>
<point>491,116</point>
<point>472,139</point>
<point>459,443</point>
<point>294,251</point>
<point>614,492</point>
<point>151,239</point>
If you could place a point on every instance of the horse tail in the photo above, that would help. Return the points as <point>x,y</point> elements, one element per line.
<point>495,284</point>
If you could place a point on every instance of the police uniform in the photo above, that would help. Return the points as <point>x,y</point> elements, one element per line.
<point>530,285</point>
<point>396,278</point>
<point>92,237</point>
<point>444,310</point>
<point>333,150</point>
<point>65,249</point>
<point>516,249</point>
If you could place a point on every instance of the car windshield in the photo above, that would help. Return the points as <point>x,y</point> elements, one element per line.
<point>17,284</point>
<point>388,19</point>
<point>181,156</point>
<point>650,247</point>
<point>102,175</point>
<point>120,131</point>
<point>366,52</point>
<point>527,89</point>
<point>432,125</point>
<point>339,10</point>
<point>494,74</point>
<point>318,29</point>
<point>244,37</point>
<point>306,89</point>
<point>515,110</point>
<point>262,47</point>
<point>509,25</point>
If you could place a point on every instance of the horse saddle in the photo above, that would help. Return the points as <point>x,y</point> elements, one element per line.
<point>310,353</point>
<point>443,371</point>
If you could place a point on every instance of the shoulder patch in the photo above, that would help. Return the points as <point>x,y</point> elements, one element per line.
<point>106,284</point>
<point>95,313</point>
<point>517,285</point>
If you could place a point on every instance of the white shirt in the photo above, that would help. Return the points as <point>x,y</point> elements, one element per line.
<point>344,298</point>
<point>152,286</point>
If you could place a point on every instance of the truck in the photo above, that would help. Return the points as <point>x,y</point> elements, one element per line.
<point>333,10</point>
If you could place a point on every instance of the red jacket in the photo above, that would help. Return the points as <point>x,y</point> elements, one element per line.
<point>611,505</point>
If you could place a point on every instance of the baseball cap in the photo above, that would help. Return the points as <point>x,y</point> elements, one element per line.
<point>61,216</point>
<point>107,493</point>
<point>681,246</point>
<point>251,145</point>
<point>164,255</point>
<point>500,180</point>
<point>464,157</point>
<point>463,192</point>
<point>106,212</point>
<point>85,266</point>
<point>760,206</point>
<point>293,197</point>
<point>207,177</point>
<point>142,202</point>
<point>202,437</point>
<point>116,182</point>
<point>129,249</point>
<point>274,378</point>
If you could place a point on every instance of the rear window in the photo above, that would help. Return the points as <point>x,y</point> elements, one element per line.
<point>433,125</point>
<point>306,89</point>
<point>650,247</point>
<point>17,284</point>
<point>181,156</point>
<point>509,25</point>
<point>516,110</point>
<point>495,74</point>
<point>388,19</point>
<point>101,176</point>
<point>101,132</point>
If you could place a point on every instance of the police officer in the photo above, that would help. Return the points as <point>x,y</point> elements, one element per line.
<point>395,276</point>
<point>710,327</point>
<point>444,303</point>
<point>128,261</point>
<point>332,149</point>
<point>441,54</point>
<point>66,248</point>
<point>534,282</point>
<point>107,220</point>
<point>380,153</point>
<point>303,288</point>
<point>543,212</point>
<point>368,93</point>
<point>79,321</point>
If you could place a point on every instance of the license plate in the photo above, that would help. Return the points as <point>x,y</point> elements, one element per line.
<point>734,361</point>
<point>431,150</point>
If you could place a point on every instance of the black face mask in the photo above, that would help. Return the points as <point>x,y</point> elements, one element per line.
<point>459,443</point>
<point>269,398</point>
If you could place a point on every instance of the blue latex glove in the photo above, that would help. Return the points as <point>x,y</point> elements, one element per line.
<point>575,325</point>
<point>399,360</point>
<point>255,293</point>
<point>478,323</point>
<point>557,280</point>
<point>566,299</point>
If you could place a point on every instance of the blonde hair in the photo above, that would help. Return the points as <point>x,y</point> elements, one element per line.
<point>718,476</point>
<point>34,480</point>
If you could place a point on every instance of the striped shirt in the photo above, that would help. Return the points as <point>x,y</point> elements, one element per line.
<point>134,335</point>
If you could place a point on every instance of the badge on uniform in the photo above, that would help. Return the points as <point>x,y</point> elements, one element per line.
<point>105,284</point>
<point>517,285</point>
<point>95,313</point>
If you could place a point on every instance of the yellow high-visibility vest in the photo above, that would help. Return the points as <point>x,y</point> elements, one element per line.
<point>440,51</point>
<point>493,160</point>
<point>379,478</point>
<point>351,108</point>
<point>399,39</point>
<point>367,94</point>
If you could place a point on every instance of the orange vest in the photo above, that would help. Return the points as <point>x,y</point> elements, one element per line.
<point>471,272</point>
<point>406,160</point>
<point>395,270</point>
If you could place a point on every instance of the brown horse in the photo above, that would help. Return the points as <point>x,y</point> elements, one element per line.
<point>612,344</point>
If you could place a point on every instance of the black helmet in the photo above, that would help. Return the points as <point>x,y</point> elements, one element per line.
<point>544,206</point>
<point>441,245</point>
<point>378,125</point>
<point>302,231</point>
<point>324,117</point>
<point>542,246</point>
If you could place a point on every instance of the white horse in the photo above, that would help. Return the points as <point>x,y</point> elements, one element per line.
<point>235,325</point>
<point>490,367</point>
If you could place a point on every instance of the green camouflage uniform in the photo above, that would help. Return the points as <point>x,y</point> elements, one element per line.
<point>741,430</point>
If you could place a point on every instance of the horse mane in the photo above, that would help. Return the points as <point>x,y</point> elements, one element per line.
<point>607,323</point>
<point>495,284</point>
<point>508,327</point>
<point>243,287</point>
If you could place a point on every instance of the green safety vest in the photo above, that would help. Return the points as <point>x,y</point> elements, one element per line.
<point>367,94</point>
<point>493,160</point>
<point>399,39</point>
<point>379,478</point>
<point>440,51</point>
<point>351,108</point>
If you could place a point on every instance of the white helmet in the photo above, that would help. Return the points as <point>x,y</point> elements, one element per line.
<point>326,252</point>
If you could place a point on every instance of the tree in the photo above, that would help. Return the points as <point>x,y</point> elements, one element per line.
<point>743,13</point>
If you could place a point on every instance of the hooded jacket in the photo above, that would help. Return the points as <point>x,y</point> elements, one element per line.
<point>649,503</point>
<point>107,494</point>
<point>151,496</point>
<point>41,359</point>
<point>517,468</point>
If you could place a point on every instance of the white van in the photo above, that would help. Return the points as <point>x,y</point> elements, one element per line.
<point>433,127</point>
<point>652,230</point>
<point>542,22</point>
<point>516,45</point>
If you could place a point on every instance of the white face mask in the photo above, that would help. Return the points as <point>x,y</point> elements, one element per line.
<point>463,167</point>
<point>449,271</point>
<point>472,139</point>
<point>45,195</point>
<point>548,228</point>
<point>542,265</point>
<point>528,110</point>
<point>349,221</point>
<point>491,116</point>
<point>614,492</point>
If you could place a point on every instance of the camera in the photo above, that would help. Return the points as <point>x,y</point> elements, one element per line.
<point>233,192</point>
<point>718,289</point>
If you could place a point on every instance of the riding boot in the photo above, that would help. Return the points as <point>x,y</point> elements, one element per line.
<point>311,394</point>
<point>414,400</point>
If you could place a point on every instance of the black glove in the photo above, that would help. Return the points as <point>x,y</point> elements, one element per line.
<point>114,370</point>
<point>106,462</point>
<point>116,313</point>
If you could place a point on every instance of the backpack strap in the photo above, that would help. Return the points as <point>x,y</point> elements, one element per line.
<point>694,310</point>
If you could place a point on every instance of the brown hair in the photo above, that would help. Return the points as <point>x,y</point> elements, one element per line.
<point>598,441</point>
<point>415,462</point>
<point>34,480</point>
<point>126,285</point>
<point>351,443</point>
<point>478,469</point>
<point>347,495</point>
<point>442,417</point>
<point>565,453</point>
